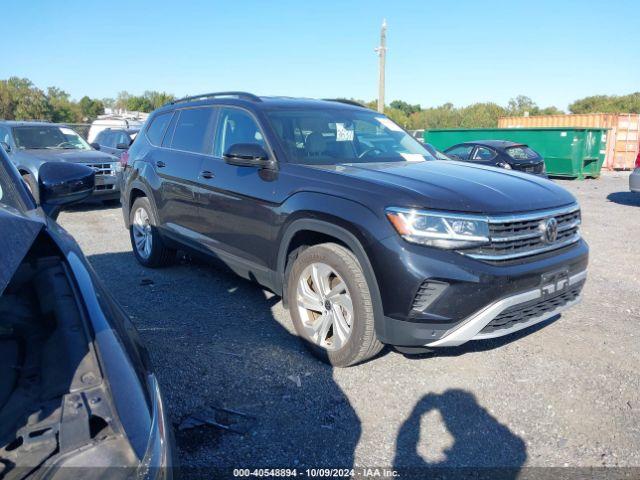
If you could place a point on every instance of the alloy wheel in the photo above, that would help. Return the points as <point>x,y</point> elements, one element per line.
<point>142,235</point>
<point>325,306</point>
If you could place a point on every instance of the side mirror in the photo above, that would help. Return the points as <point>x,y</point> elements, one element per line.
<point>247,155</point>
<point>6,146</point>
<point>61,183</point>
<point>95,146</point>
<point>122,146</point>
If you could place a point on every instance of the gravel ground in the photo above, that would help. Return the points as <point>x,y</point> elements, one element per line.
<point>562,394</point>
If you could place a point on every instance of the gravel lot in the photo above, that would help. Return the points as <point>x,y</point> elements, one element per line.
<point>563,394</point>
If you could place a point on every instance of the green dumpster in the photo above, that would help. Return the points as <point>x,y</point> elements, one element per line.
<point>567,152</point>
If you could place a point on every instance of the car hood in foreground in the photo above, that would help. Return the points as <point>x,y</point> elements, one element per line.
<point>73,156</point>
<point>458,186</point>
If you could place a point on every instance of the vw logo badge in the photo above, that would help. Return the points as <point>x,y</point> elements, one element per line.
<point>550,230</point>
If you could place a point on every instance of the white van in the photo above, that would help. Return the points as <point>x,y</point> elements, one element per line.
<point>115,122</point>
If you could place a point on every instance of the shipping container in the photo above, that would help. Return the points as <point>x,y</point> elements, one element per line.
<point>567,152</point>
<point>622,140</point>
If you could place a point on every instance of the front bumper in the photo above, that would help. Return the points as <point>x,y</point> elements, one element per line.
<point>479,326</point>
<point>472,294</point>
<point>634,180</point>
<point>107,185</point>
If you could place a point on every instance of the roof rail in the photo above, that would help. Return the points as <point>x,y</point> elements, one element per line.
<point>204,96</point>
<point>346,101</point>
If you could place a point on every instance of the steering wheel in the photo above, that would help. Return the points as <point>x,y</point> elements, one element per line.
<point>62,144</point>
<point>369,151</point>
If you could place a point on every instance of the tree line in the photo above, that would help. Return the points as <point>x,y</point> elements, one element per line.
<point>20,99</point>
<point>486,115</point>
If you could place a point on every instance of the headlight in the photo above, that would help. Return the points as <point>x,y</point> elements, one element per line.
<point>439,229</point>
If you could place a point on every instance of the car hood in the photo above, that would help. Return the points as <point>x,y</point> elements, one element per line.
<point>458,186</point>
<point>18,234</point>
<point>73,156</point>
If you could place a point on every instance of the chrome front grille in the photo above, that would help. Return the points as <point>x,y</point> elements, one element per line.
<point>103,168</point>
<point>517,236</point>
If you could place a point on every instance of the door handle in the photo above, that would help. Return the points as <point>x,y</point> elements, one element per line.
<point>160,164</point>
<point>207,174</point>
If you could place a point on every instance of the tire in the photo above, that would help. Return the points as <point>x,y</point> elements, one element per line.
<point>144,229</point>
<point>32,185</point>
<point>311,267</point>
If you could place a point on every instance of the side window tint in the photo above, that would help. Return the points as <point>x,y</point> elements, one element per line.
<point>122,138</point>
<point>104,138</point>
<point>168,136</point>
<point>194,130</point>
<point>462,151</point>
<point>4,135</point>
<point>236,126</point>
<point>483,153</point>
<point>155,131</point>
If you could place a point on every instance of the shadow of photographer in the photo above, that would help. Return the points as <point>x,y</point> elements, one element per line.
<point>479,445</point>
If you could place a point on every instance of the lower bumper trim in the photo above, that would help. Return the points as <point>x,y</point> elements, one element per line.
<point>471,329</point>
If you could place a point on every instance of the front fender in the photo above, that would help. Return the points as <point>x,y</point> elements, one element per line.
<point>353,224</point>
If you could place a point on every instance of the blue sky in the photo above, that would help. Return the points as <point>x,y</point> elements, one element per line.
<point>439,51</point>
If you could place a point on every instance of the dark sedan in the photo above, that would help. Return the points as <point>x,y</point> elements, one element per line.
<point>499,153</point>
<point>115,141</point>
<point>76,386</point>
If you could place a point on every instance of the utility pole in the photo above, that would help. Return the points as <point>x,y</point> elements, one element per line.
<point>382,54</point>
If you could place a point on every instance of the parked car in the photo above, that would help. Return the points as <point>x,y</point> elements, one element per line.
<point>435,152</point>
<point>499,153</point>
<point>76,385</point>
<point>115,141</point>
<point>368,238</point>
<point>634,178</point>
<point>115,122</point>
<point>32,144</point>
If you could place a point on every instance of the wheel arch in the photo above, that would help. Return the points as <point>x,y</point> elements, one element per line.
<point>321,231</point>
<point>137,190</point>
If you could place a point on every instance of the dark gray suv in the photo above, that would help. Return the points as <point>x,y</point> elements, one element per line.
<point>368,238</point>
<point>32,144</point>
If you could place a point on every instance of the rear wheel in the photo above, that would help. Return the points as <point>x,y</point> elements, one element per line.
<point>148,247</point>
<point>331,306</point>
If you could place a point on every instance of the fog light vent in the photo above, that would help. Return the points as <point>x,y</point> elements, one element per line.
<point>428,292</point>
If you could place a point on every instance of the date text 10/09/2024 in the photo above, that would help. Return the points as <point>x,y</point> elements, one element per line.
<point>316,472</point>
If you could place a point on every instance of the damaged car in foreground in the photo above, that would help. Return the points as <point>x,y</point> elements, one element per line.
<point>77,395</point>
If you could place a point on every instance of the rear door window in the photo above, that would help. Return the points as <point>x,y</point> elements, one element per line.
<point>155,131</point>
<point>483,154</point>
<point>194,130</point>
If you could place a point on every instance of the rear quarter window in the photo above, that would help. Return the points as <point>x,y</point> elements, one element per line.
<point>158,125</point>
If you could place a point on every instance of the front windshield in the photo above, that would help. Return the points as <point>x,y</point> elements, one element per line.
<point>330,136</point>
<point>48,137</point>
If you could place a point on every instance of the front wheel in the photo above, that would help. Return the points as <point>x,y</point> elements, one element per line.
<point>331,306</point>
<point>148,247</point>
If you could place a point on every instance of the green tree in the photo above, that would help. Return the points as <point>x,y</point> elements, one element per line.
<point>21,100</point>
<point>405,107</point>
<point>481,115</point>
<point>90,109</point>
<point>63,110</point>
<point>607,104</point>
